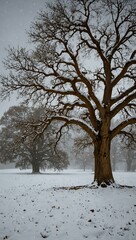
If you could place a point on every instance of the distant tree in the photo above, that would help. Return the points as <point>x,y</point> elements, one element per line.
<point>117,155</point>
<point>5,145</point>
<point>83,151</point>
<point>83,160</point>
<point>128,146</point>
<point>114,154</point>
<point>123,152</point>
<point>16,145</point>
<point>83,69</point>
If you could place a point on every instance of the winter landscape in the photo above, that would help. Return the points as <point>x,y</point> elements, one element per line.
<point>35,207</point>
<point>74,85</point>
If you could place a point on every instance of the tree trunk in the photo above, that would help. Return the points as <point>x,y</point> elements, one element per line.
<point>35,167</point>
<point>35,162</point>
<point>103,171</point>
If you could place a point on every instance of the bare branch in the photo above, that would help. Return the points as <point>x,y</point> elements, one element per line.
<point>117,130</point>
<point>123,72</point>
<point>70,121</point>
<point>123,94</point>
<point>121,105</point>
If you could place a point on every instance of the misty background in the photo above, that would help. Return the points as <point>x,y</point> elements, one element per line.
<point>15,20</point>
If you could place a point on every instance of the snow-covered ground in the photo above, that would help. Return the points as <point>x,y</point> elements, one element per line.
<point>32,209</point>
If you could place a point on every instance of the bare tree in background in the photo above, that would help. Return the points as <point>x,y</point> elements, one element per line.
<point>128,146</point>
<point>83,150</point>
<point>83,68</point>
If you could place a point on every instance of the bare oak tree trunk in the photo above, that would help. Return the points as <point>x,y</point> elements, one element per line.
<point>103,171</point>
<point>35,168</point>
<point>35,163</point>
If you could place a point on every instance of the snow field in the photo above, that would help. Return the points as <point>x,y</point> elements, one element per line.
<point>30,207</point>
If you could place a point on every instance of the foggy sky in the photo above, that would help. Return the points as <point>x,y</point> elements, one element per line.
<point>15,19</point>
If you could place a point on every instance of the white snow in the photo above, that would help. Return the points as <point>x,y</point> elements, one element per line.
<point>31,209</point>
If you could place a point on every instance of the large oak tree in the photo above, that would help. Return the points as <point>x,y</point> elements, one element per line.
<point>82,66</point>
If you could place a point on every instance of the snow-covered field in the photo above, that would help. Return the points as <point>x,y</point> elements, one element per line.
<point>31,209</point>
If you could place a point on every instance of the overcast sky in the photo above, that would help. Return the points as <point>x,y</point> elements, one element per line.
<point>15,18</point>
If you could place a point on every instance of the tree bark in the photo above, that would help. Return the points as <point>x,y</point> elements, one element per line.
<point>103,170</point>
<point>35,167</point>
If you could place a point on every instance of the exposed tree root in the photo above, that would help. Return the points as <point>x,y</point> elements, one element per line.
<point>94,186</point>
